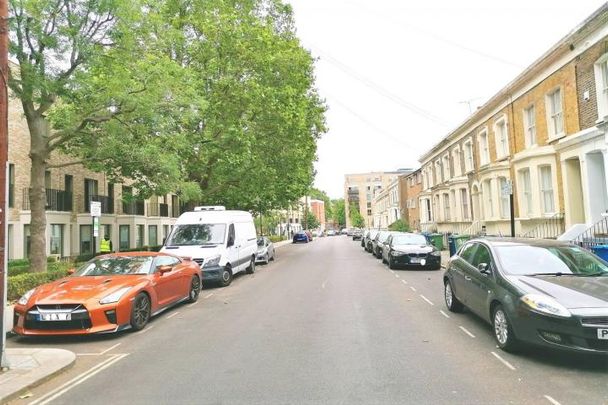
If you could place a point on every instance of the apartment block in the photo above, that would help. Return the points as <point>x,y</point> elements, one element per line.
<point>542,136</point>
<point>360,189</point>
<point>130,222</point>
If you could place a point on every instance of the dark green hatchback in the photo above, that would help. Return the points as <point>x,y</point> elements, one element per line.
<point>541,292</point>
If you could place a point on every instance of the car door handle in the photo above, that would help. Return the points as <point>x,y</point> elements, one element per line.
<point>467,278</point>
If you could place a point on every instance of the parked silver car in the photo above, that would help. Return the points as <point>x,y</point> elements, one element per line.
<point>265,251</point>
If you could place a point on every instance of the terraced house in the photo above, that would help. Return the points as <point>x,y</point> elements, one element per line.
<point>544,133</point>
<point>129,221</point>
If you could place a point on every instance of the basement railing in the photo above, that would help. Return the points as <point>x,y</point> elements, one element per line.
<point>550,228</point>
<point>595,235</point>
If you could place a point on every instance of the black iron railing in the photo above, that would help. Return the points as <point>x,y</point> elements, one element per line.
<point>133,208</point>
<point>550,228</point>
<point>163,210</point>
<point>177,210</point>
<point>56,200</point>
<point>595,235</point>
<point>107,203</point>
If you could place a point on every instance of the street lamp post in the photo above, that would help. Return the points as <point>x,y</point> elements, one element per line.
<point>3,170</point>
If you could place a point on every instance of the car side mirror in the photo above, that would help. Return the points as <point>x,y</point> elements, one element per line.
<point>484,268</point>
<point>164,269</point>
<point>71,271</point>
<point>230,241</point>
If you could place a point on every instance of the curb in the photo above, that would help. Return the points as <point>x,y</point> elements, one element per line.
<point>36,383</point>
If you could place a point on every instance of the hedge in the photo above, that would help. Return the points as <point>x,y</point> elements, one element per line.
<point>276,238</point>
<point>20,284</point>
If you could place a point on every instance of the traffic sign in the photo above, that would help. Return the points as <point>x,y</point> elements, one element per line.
<point>95,208</point>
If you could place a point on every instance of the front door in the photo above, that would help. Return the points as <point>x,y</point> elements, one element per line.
<point>232,249</point>
<point>461,267</point>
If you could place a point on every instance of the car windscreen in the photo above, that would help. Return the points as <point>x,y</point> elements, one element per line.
<point>197,234</point>
<point>111,266</point>
<point>383,236</point>
<point>537,260</point>
<point>409,240</point>
<point>261,242</point>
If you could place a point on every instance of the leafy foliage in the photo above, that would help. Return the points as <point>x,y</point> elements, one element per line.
<point>356,219</point>
<point>311,221</point>
<point>400,226</point>
<point>339,212</point>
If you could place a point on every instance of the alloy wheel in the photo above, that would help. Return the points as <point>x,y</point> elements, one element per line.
<point>501,327</point>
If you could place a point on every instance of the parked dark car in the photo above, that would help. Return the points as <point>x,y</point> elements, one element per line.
<point>379,242</point>
<point>541,292</point>
<point>300,237</point>
<point>411,250</point>
<point>369,238</point>
<point>357,234</point>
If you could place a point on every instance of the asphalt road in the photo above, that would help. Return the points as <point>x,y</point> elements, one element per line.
<point>325,323</point>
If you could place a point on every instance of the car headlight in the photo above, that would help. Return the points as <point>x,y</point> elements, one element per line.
<point>115,296</point>
<point>545,305</point>
<point>212,261</point>
<point>26,297</point>
<point>397,253</point>
<point>435,253</point>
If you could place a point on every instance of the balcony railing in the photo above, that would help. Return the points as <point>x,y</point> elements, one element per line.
<point>133,208</point>
<point>56,200</point>
<point>550,228</point>
<point>158,210</point>
<point>177,210</point>
<point>107,203</point>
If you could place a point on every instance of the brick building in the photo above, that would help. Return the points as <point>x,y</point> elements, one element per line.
<point>69,191</point>
<point>532,135</point>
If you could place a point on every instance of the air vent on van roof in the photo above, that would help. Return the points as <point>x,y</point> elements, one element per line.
<point>210,208</point>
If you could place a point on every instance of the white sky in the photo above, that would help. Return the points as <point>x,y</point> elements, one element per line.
<point>397,74</point>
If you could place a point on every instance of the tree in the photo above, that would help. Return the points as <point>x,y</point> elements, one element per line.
<point>355,217</point>
<point>311,221</point>
<point>339,213</point>
<point>252,142</point>
<point>399,225</point>
<point>92,85</point>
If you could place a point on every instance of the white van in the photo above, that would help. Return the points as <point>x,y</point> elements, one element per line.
<point>222,242</point>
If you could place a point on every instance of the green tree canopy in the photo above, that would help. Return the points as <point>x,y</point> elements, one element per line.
<point>355,217</point>
<point>399,225</point>
<point>311,221</point>
<point>339,212</point>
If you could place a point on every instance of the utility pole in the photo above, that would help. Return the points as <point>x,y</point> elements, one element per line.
<point>3,170</point>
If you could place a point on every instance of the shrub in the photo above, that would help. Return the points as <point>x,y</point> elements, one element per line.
<point>20,284</point>
<point>16,270</point>
<point>276,238</point>
<point>400,226</point>
<point>18,263</point>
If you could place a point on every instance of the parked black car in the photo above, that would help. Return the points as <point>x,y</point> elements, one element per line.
<point>368,239</point>
<point>412,250</point>
<point>542,292</point>
<point>357,234</point>
<point>378,243</point>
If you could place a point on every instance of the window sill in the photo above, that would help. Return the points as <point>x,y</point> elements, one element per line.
<point>556,137</point>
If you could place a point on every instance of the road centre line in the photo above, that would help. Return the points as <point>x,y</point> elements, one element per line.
<point>553,401</point>
<point>172,315</point>
<point>413,289</point>
<point>397,275</point>
<point>208,295</point>
<point>506,363</point>
<point>80,378</point>
<point>426,299</point>
<point>444,314</point>
<point>466,331</point>
<point>392,271</point>
<point>404,282</point>
<point>100,353</point>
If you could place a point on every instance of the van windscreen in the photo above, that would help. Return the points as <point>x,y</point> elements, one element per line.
<point>197,234</point>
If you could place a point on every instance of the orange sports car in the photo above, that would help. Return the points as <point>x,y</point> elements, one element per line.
<point>109,293</point>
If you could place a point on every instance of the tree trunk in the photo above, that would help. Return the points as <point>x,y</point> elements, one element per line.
<point>39,153</point>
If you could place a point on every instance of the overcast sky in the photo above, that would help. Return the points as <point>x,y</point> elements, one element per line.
<point>398,75</point>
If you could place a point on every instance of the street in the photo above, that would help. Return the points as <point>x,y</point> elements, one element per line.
<point>324,323</point>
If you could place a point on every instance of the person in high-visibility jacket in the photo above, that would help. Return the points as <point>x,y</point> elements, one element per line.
<point>105,246</point>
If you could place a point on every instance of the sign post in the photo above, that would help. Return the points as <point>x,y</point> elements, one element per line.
<point>507,189</point>
<point>95,209</point>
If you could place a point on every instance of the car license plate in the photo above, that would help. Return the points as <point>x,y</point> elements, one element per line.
<point>415,260</point>
<point>56,316</point>
<point>602,334</point>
